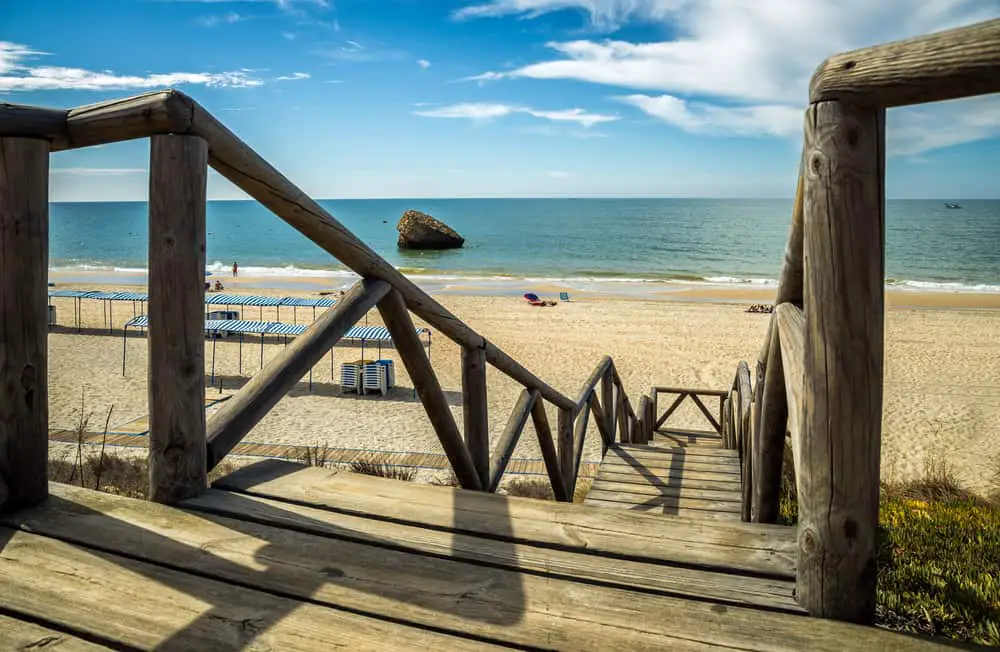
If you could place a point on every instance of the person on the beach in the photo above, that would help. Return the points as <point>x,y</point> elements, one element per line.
<point>236,269</point>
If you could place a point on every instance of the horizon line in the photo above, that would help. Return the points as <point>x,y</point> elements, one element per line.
<point>462,197</point>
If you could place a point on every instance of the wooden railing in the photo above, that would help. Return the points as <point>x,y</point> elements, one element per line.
<point>185,140</point>
<point>819,374</point>
<point>696,396</point>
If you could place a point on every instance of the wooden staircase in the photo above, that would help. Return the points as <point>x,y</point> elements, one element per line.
<point>678,473</point>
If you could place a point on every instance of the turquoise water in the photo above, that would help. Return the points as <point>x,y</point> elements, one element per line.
<point>704,240</point>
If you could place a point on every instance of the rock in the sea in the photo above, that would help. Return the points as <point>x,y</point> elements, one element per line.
<point>421,231</point>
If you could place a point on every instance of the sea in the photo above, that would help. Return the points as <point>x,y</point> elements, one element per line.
<point>576,243</point>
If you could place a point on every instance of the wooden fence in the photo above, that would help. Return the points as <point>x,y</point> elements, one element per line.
<point>185,141</point>
<point>818,376</point>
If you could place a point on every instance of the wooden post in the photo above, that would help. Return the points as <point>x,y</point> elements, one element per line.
<point>842,399</point>
<point>549,455</point>
<point>608,403</point>
<point>239,415</point>
<point>397,319</point>
<point>475,410</point>
<point>564,427</point>
<point>24,268</point>
<point>177,449</point>
<point>510,436</point>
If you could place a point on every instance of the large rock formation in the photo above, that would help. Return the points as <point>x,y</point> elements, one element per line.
<point>421,231</point>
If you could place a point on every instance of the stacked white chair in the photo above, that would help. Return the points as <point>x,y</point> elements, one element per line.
<point>349,378</point>
<point>374,378</point>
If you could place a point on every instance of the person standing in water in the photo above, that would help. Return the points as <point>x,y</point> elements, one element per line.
<point>236,269</point>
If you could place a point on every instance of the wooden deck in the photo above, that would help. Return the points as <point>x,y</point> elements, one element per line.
<point>680,473</point>
<point>283,557</point>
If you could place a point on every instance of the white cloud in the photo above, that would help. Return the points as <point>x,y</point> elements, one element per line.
<point>98,172</point>
<point>487,111</point>
<point>355,52</point>
<point>558,174</point>
<point>741,65</point>
<point>228,19</point>
<point>915,130</point>
<point>770,120</point>
<point>295,76</point>
<point>424,63</point>
<point>470,111</point>
<point>17,74</point>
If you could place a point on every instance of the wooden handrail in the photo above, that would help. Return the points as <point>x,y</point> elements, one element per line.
<point>688,390</point>
<point>791,324</point>
<point>239,415</point>
<point>588,386</point>
<point>174,112</point>
<point>549,454</point>
<point>946,65</point>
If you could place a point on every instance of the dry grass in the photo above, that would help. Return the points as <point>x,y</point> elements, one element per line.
<point>377,466</point>
<point>540,488</point>
<point>317,455</point>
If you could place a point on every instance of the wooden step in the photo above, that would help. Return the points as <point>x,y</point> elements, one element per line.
<point>731,494</point>
<point>26,636</point>
<point>668,463</point>
<point>768,549</point>
<point>151,606</point>
<point>640,450</point>
<point>277,575</point>
<point>676,502</point>
<point>654,478</point>
<point>710,516</point>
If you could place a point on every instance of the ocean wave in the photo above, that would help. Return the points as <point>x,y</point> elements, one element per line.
<point>586,281</point>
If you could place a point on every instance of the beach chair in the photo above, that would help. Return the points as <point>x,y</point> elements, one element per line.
<point>564,296</point>
<point>533,299</point>
<point>390,372</point>
<point>374,378</point>
<point>349,378</point>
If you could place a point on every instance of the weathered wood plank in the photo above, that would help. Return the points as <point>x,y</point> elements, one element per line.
<point>690,390</point>
<point>762,548</point>
<point>667,456</point>
<point>666,446</point>
<point>838,474</point>
<point>178,173</point>
<point>679,480</point>
<point>146,606</point>
<point>608,407</point>
<point>25,636</point>
<point>670,410</point>
<point>397,320</point>
<point>24,268</point>
<point>710,515</point>
<point>603,483</point>
<point>510,436</point>
<point>666,500</point>
<point>237,417</point>
<point>549,455</point>
<point>552,613</point>
<point>771,438</point>
<point>510,593</point>
<point>791,338</point>
<point>475,411</point>
<point>942,66</point>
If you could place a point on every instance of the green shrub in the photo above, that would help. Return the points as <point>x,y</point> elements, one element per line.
<point>938,567</point>
<point>938,555</point>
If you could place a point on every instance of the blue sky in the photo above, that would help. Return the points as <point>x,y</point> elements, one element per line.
<point>435,98</point>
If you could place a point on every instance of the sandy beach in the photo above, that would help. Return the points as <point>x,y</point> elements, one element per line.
<point>942,392</point>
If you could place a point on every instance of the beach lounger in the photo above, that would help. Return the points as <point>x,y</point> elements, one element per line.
<point>349,378</point>
<point>564,296</point>
<point>374,378</point>
<point>533,299</point>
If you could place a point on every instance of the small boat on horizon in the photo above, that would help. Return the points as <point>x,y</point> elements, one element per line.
<point>951,205</point>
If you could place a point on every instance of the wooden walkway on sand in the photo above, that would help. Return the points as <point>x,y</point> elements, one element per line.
<point>284,557</point>
<point>680,473</point>
<point>334,456</point>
